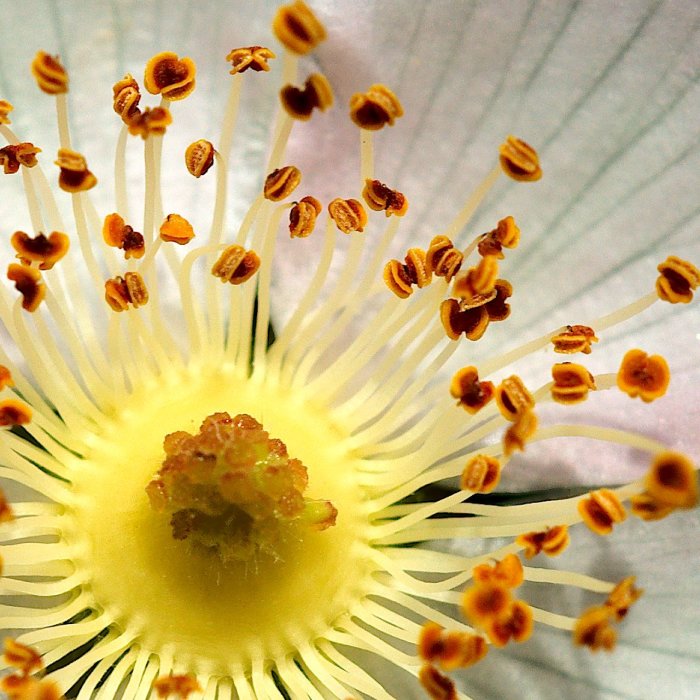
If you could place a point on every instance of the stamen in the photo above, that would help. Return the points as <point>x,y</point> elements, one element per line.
<point>300,103</point>
<point>302,217</point>
<point>375,109</point>
<point>601,510</point>
<point>281,182</point>
<point>40,249</point>
<point>349,215</point>
<point>296,26</point>
<point>199,157</point>
<point>50,75</point>
<point>646,376</point>
<point>170,76</point>
<point>250,57</point>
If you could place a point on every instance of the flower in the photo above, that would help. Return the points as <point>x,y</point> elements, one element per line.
<point>120,400</point>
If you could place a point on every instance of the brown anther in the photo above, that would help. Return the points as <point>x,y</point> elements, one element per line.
<point>453,649</point>
<point>646,376</point>
<point>299,103</point>
<point>5,378</point>
<point>396,277</point>
<point>648,508</point>
<point>126,97</point>
<point>153,121</point>
<point>601,510</point>
<point>349,215</point>
<point>435,684</point>
<point>5,108</point>
<point>302,217</point>
<point>519,160</point>
<point>622,597</point>
<point>199,157</point>
<point>486,601</point>
<point>677,280</point>
<point>122,291</point>
<point>508,571</point>
<point>498,309</point>
<point>253,57</point>
<point>481,474</point>
<point>28,283</point>
<point>46,251</point>
<point>572,383</point>
<point>281,182</point>
<point>516,625</point>
<point>117,234</point>
<point>479,280</point>
<point>178,685</point>
<point>443,258</point>
<point>519,433</point>
<point>471,394</point>
<point>14,155</point>
<point>513,398</point>
<point>75,176</point>
<point>574,339</point>
<point>22,657</point>
<point>672,481</point>
<point>505,235</point>
<point>552,541</point>
<point>50,75</point>
<point>416,268</point>
<point>376,108</point>
<point>593,629</point>
<point>473,322</point>
<point>236,265</point>
<point>297,27</point>
<point>14,412</point>
<point>170,76</point>
<point>176,229</point>
<point>6,514</point>
<point>379,197</point>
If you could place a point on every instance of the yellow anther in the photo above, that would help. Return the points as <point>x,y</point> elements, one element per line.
<point>5,108</point>
<point>118,234</point>
<point>516,625</point>
<point>28,283</point>
<point>672,481</point>
<point>450,649</point>
<point>74,176</point>
<point>376,108</point>
<point>126,98</point>
<point>302,217</point>
<point>14,155</point>
<point>508,571</point>
<point>519,160</point>
<point>151,122</point>
<point>646,376</point>
<point>253,57</point>
<point>647,508</point>
<point>349,215</point>
<point>22,657</point>
<point>120,292</point>
<point>519,433</point>
<point>600,510</point>
<point>574,339</point>
<point>297,27</point>
<point>486,601</point>
<point>473,322</point>
<point>622,597</point>
<point>176,229</point>
<point>299,103</point>
<point>236,265</point>
<point>281,182</point>
<point>436,685</point>
<point>572,383</point>
<point>443,258</point>
<point>397,278</point>
<point>40,249</point>
<point>6,514</point>
<point>481,474</point>
<point>552,541</point>
<point>479,280</point>
<point>14,412</point>
<point>513,398</point>
<point>505,235</point>
<point>170,76</point>
<point>180,685</point>
<point>379,197</point>
<point>677,281</point>
<point>471,394</point>
<point>5,378</point>
<point>593,629</point>
<point>50,75</point>
<point>199,157</point>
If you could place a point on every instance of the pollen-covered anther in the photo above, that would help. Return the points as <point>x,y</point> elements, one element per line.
<point>118,234</point>
<point>176,229</point>
<point>516,625</point>
<point>379,197</point>
<point>153,121</point>
<point>126,97</point>
<point>376,108</point>
<point>18,686</point>
<point>508,571</point>
<point>436,685</point>
<point>677,281</point>
<point>505,235</point>
<point>519,160</point>
<point>479,280</point>
<point>672,481</point>
<point>6,514</point>
<point>472,321</point>
<point>520,433</point>
<point>28,283</point>
<point>49,73</point>
<point>5,108</point>
<point>14,412</point>
<point>552,541</point>
<point>170,76</point>
<point>487,601</point>
<point>349,215</point>
<point>299,103</point>
<point>471,394</point>
<point>645,507</point>
<point>120,292</point>
<point>481,474</point>
<point>281,182</point>
<point>74,176</point>
<point>5,378</point>
<point>302,217</point>
<point>572,382</point>
<point>622,597</point>
<point>450,649</point>
<point>646,376</point>
<point>24,658</point>
<point>236,265</point>
<point>443,258</point>
<point>513,398</point>
<point>601,510</point>
<point>298,28</point>
<point>199,157</point>
<point>574,339</point>
<point>593,629</point>
<point>253,57</point>
<point>181,686</point>
<point>46,251</point>
<point>14,155</point>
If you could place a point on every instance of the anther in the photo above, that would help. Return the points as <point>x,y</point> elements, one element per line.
<point>302,217</point>
<point>118,234</point>
<point>647,508</point>
<point>120,292</point>
<point>299,103</point>
<point>74,176</point>
<point>152,121</point>
<point>601,510</point>
<point>574,339</point>
<point>572,383</point>
<point>14,412</point>
<point>379,197</point>
<point>281,182</point>
<point>508,571</point>
<point>593,629</point>
<point>516,625</point>
<point>28,283</point>
<point>471,394</point>
<point>435,684</point>
<point>180,685</point>
<point>443,258</point>
<point>199,157</point>
<point>479,280</point>
<point>6,514</point>
<point>22,657</point>
<point>236,265</point>
<point>505,235</point>
<point>170,76</point>
<point>176,229</point>
<point>349,215</point>
<point>646,376</point>
<point>481,474</point>
<point>253,57</point>
<point>486,601</point>
<point>473,322</point>
<point>622,597</point>
<point>296,26</point>
<point>677,280</point>
<point>14,155</point>
<point>450,649</point>
<point>552,541</point>
<point>40,249</point>
<point>126,98</point>
<point>519,160</point>
<point>513,398</point>
<point>520,432</point>
<point>5,108</point>
<point>5,378</point>
<point>376,108</point>
<point>50,75</point>
<point>672,481</point>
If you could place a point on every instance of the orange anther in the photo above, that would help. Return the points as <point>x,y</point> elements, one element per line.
<point>170,76</point>
<point>572,383</point>
<point>508,571</point>
<point>302,217</point>
<point>505,235</point>
<point>281,182</point>
<point>236,265</point>
<point>473,322</point>
<point>600,510</point>
<point>120,292</point>
<point>481,474</point>
<point>486,601</point>
<point>253,57</point>
<point>117,234</point>
<point>349,215</point>
<point>513,398</point>
<point>519,433</point>
<point>14,412</point>
<point>593,629</point>
<point>74,176</point>
<point>647,508</point>
<point>179,685</point>
<point>199,157</point>
<point>296,26</point>
<point>517,624</point>
<point>379,197</point>
<point>470,393</point>
<point>50,75</point>
<point>376,108</point>
<point>5,378</point>
<point>6,514</point>
<point>677,281</point>
<point>646,376</point>
<point>176,229</point>
<point>623,596</point>
<point>153,121</point>
<point>299,103</point>
<point>126,98</point>
<point>552,541</point>
<point>22,657</point>
<point>443,258</point>
<point>28,283</point>
<point>519,160</point>
<point>479,280</point>
<point>14,155</point>
<point>435,684</point>
<point>5,109</point>
<point>672,481</point>
<point>453,649</point>
<point>574,339</point>
<point>46,251</point>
